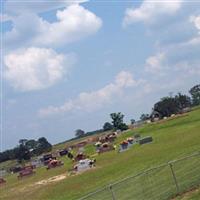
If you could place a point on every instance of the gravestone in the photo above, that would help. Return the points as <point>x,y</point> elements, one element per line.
<point>145,140</point>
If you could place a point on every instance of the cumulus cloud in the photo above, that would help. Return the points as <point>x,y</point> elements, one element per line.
<point>73,23</point>
<point>154,64</point>
<point>90,101</point>
<point>15,8</point>
<point>35,68</point>
<point>176,60</point>
<point>150,11</point>
<point>177,57</point>
<point>196,21</point>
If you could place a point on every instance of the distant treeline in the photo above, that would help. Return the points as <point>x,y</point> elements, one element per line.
<point>90,133</point>
<point>164,108</point>
<point>174,104</point>
<point>26,149</point>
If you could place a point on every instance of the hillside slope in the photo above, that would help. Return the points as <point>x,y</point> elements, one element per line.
<point>173,138</point>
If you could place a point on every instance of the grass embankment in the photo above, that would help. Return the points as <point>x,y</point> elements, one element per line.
<point>193,194</point>
<point>172,139</point>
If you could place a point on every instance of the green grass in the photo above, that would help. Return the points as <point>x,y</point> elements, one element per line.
<point>8,164</point>
<point>173,139</point>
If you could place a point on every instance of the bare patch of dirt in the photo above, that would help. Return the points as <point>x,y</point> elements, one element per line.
<point>186,194</point>
<point>51,180</point>
<point>82,171</point>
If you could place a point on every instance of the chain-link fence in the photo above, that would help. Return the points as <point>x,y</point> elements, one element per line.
<point>162,182</point>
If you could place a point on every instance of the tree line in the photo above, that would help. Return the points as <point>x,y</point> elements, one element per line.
<point>164,108</point>
<point>26,149</point>
<point>174,104</point>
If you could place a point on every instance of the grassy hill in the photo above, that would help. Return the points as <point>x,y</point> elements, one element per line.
<point>173,138</point>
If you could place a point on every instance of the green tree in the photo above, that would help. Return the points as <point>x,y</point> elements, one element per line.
<point>23,142</point>
<point>107,126</point>
<point>117,121</point>
<point>31,144</point>
<point>26,149</point>
<point>43,145</point>
<point>22,153</point>
<point>79,133</point>
<point>182,100</point>
<point>195,93</point>
<point>167,106</point>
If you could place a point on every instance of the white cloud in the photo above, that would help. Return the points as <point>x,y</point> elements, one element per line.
<point>73,23</point>
<point>154,64</point>
<point>90,101</point>
<point>15,8</point>
<point>178,58</point>
<point>35,68</point>
<point>196,21</point>
<point>150,11</point>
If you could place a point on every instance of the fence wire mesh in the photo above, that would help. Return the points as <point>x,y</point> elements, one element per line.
<point>159,183</point>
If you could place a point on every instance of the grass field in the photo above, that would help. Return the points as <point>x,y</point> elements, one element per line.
<point>173,139</point>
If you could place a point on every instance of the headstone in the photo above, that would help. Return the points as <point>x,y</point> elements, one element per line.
<point>145,140</point>
<point>84,165</point>
<point>63,152</point>
<point>126,145</point>
<point>2,181</point>
<point>37,163</point>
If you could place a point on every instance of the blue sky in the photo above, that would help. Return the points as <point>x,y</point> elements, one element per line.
<point>69,64</point>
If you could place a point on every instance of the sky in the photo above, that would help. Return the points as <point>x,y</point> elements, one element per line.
<point>67,65</point>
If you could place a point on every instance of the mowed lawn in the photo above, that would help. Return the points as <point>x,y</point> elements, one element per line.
<point>173,139</point>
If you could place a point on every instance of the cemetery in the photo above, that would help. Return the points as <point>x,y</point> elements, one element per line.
<point>80,160</point>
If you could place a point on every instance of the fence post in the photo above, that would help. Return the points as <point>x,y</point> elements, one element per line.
<point>174,177</point>
<point>112,192</point>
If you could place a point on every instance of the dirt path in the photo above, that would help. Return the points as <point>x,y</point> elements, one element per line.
<point>51,180</point>
<point>188,195</point>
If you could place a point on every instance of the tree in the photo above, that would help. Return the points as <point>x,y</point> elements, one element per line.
<point>22,153</point>
<point>23,142</point>
<point>167,106</point>
<point>171,105</point>
<point>31,144</point>
<point>43,145</point>
<point>144,117</point>
<point>79,133</point>
<point>107,126</point>
<point>117,121</point>
<point>132,121</point>
<point>182,101</point>
<point>195,93</point>
<point>26,149</point>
